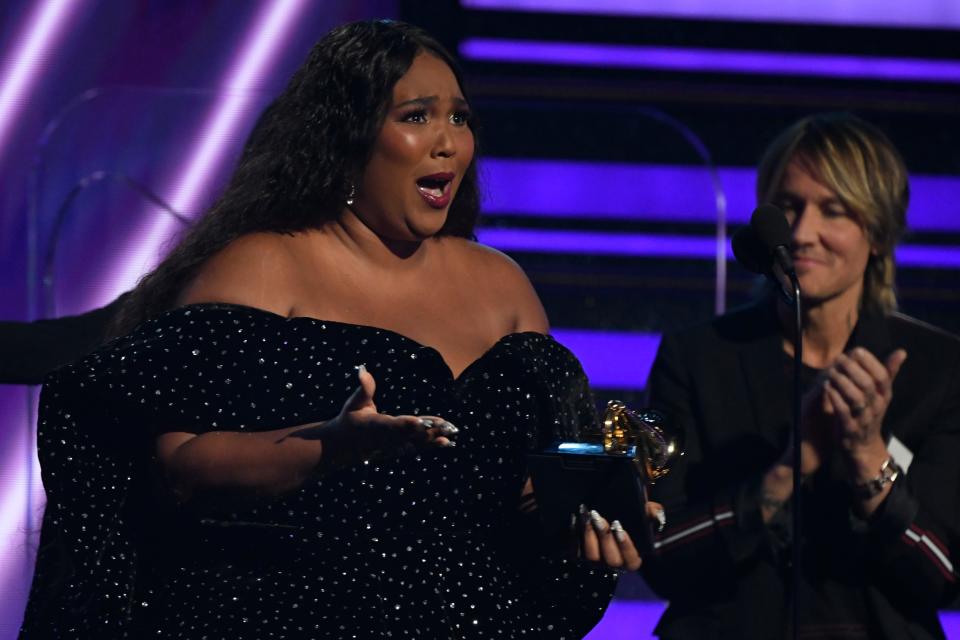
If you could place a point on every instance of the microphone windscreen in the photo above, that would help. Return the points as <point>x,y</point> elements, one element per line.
<point>771,227</point>
<point>748,251</point>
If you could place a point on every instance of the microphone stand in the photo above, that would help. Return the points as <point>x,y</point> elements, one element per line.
<point>765,247</point>
<point>797,460</point>
<point>789,277</point>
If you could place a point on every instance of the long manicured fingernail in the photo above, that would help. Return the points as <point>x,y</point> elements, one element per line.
<point>449,443</point>
<point>448,429</point>
<point>597,522</point>
<point>360,369</point>
<point>426,422</point>
<point>661,518</point>
<point>618,531</point>
<point>582,510</point>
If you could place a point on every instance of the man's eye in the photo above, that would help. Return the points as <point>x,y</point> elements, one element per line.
<point>786,205</point>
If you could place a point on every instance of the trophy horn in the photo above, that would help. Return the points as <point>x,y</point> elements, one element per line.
<point>656,448</point>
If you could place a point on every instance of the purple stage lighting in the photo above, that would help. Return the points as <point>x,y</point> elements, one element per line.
<point>23,64</point>
<point>651,192</point>
<point>635,620</point>
<point>649,245</point>
<point>643,245</point>
<point>820,65</point>
<point>254,62</point>
<point>628,620</point>
<point>602,354</point>
<point>932,14</point>
<point>25,61</point>
<point>569,189</point>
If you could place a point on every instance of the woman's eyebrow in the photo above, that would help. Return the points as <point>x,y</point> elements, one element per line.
<point>425,101</point>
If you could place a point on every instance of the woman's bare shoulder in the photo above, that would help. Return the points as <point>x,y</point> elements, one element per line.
<point>489,267</point>
<point>256,270</point>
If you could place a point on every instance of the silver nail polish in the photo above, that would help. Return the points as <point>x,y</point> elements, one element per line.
<point>360,368</point>
<point>597,522</point>
<point>618,531</point>
<point>449,429</point>
<point>582,509</point>
<point>426,422</point>
<point>662,519</point>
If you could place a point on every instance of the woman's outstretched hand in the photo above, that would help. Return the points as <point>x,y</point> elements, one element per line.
<point>607,543</point>
<point>360,432</point>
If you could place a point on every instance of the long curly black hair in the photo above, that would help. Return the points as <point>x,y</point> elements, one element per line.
<point>307,148</point>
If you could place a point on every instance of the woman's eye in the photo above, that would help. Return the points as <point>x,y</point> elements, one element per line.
<point>460,117</point>
<point>418,116</point>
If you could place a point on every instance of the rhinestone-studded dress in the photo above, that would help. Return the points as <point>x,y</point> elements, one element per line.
<point>422,545</point>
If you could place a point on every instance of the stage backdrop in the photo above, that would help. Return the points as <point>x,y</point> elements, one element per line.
<point>618,151</point>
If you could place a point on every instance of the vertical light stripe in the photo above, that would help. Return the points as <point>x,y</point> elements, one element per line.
<point>255,60</point>
<point>23,64</point>
<point>26,59</point>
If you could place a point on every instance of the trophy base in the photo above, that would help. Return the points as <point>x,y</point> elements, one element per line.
<point>569,474</point>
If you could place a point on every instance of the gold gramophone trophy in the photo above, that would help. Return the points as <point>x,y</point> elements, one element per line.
<point>642,436</point>
<point>608,470</point>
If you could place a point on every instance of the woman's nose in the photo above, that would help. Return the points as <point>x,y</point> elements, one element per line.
<point>444,145</point>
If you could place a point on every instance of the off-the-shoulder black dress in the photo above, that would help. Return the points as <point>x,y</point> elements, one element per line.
<point>422,545</point>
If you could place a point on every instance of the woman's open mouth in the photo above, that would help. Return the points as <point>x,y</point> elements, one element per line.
<point>436,189</point>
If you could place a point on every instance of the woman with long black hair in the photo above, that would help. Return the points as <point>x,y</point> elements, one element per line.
<point>267,448</point>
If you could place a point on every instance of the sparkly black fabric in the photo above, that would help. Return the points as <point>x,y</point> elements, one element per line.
<point>422,545</point>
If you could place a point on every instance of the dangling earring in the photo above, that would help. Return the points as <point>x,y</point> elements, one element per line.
<point>351,194</point>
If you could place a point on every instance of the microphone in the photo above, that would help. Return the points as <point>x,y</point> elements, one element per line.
<point>764,247</point>
<point>748,251</point>
<point>773,232</point>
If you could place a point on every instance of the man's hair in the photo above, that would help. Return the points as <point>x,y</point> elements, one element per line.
<point>859,163</point>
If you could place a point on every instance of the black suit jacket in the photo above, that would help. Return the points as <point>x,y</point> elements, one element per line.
<point>31,350</point>
<point>727,385</point>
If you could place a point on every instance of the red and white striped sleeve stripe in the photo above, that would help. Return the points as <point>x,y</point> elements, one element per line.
<point>932,548</point>
<point>694,530</point>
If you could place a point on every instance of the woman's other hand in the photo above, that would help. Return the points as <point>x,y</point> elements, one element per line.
<point>360,432</point>
<point>607,543</point>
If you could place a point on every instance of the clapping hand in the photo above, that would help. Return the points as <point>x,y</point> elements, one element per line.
<point>848,406</point>
<point>858,390</point>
